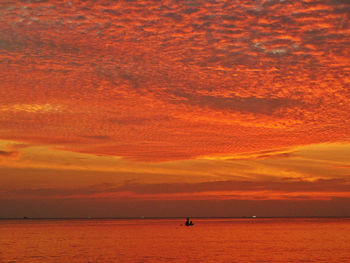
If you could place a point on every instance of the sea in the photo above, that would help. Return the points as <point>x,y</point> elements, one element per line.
<point>169,240</point>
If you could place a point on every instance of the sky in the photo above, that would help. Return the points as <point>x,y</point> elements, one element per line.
<point>174,108</point>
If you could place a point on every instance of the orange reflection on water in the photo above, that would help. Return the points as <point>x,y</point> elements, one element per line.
<point>210,240</point>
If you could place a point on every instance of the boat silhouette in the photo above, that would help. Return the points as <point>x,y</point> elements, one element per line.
<point>188,222</point>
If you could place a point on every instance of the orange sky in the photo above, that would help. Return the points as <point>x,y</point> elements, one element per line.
<point>150,106</point>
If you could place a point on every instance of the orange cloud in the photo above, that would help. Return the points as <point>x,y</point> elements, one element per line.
<point>196,91</point>
<point>197,79</point>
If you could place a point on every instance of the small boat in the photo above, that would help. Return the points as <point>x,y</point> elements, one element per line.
<point>188,222</point>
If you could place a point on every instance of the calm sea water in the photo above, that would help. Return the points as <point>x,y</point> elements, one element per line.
<point>168,240</point>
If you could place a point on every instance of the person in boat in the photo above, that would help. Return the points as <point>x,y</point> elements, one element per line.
<point>188,222</point>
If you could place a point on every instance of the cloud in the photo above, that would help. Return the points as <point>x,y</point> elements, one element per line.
<point>284,189</point>
<point>174,80</point>
<point>286,185</point>
<point>188,100</point>
<point>267,154</point>
<point>9,155</point>
<point>32,108</point>
<point>97,137</point>
<point>255,105</point>
<point>342,166</point>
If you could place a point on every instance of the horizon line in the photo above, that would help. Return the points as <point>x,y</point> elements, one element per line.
<point>176,217</point>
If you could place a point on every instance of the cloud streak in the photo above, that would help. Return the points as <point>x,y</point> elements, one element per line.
<point>242,190</point>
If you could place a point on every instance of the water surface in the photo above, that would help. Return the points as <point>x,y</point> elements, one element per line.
<point>168,240</point>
